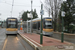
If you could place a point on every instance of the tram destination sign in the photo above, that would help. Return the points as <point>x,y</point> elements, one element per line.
<point>12,19</point>
<point>48,19</point>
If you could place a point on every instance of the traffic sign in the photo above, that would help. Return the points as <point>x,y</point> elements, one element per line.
<point>63,14</point>
<point>42,12</point>
<point>30,15</point>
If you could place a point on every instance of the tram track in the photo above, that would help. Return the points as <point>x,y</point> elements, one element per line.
<point>13,42</point>
<point>22,42</point>
<point>4,44</point>
<point>25,43</point>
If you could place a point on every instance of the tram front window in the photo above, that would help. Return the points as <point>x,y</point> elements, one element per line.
<point>48,24</point>
<point>11,24</point>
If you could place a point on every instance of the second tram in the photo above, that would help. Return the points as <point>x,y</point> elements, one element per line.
<point>47,27</point>
<point>11,25</point>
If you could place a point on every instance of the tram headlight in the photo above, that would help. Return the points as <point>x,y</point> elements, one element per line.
<point>16,29</point>
<point>7,29</point>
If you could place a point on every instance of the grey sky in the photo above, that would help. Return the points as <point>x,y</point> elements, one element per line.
<point>19,6</point>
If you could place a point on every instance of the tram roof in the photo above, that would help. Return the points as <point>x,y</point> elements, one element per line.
<point>38,19</point>
<point>10,17</point>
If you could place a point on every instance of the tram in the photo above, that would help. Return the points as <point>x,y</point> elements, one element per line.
<point>11,25</point>
<point>47,26</point>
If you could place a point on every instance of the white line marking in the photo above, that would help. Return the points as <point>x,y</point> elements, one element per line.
<point>33,41</point>
<point>29,41</point>
<point>4,44</point>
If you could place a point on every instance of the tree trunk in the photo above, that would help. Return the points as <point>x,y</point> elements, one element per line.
<point>68,27</point>
<point>54,24</point>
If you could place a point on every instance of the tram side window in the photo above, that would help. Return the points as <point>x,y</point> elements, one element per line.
<point>34,25</point>
<point>44,25</point>
<point>39,25</point>
<point>24,26</point>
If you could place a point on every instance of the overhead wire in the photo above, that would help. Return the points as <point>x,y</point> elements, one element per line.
<point>5,2</point>
<point>12,7</point>
<point>8,3</point>
<point>20,5</point>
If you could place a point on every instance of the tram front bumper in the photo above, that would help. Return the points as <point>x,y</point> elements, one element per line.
<point>11,32</point>
<point>47,33</point>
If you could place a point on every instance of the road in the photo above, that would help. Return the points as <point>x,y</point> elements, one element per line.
<point>13,42</point>
<point>68,38</point>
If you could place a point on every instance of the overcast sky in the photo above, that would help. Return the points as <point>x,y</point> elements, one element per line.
<point>19,6</point>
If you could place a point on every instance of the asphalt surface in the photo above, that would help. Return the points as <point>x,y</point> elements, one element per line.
<point>25,44</point>
<point>13,42</point>
<point>2,38</point>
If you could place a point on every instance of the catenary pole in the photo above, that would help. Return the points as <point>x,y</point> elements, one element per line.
<point>41,35</point>
<point>31,18</point>
<point>12,7</point>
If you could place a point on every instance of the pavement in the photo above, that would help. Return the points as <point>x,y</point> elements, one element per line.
<point>48,42</point>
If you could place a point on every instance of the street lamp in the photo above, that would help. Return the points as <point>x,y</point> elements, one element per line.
<point>0,22</point>
<point>0,13</point>
<point>63,15</point>
<point>41,35</point>
<point>31,17</point>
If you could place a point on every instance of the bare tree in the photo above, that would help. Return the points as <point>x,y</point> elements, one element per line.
<point>49,7</point>
<point>53,7</point>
